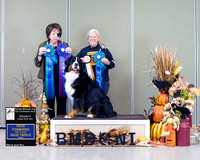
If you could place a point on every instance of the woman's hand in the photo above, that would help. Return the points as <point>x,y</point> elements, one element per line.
<point>42,51</point>
<point>105,60</point>
<point>68,50</point>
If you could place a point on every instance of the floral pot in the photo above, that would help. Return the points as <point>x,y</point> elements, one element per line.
<point>190,120</point>
<point>183,134</point>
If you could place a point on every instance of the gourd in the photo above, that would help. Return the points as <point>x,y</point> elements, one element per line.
<point>158,113</point>
<point>162,99</point>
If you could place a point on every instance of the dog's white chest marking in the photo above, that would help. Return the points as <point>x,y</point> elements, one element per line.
<point>70,77</point>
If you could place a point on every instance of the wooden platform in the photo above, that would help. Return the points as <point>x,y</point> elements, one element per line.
<point>137,123</point>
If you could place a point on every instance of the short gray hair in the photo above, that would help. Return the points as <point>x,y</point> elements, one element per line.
<point>93,30</point>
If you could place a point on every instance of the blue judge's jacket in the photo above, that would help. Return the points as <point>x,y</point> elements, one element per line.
<point>91,51</point>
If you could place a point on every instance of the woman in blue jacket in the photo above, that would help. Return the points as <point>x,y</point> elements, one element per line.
<point>90,58</point>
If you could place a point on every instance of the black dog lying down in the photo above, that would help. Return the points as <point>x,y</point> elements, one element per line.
<point>84,93</point>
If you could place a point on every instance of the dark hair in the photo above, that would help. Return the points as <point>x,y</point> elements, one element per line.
<point>51,26</point>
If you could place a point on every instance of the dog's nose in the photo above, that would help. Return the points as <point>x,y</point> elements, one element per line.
<point>76,65</point>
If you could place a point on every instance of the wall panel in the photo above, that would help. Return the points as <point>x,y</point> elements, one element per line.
<point>161,23</point>
<point>113,20</point>
<point>0,52</point>
<point>25,24</point>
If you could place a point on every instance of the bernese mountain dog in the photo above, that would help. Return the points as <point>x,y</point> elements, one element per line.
<point>84,93</point>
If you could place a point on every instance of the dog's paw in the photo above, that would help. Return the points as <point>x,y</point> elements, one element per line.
<point>90,116</point>
<point>67,116</point>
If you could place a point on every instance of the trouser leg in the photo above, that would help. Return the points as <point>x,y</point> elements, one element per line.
<point>106,86</point>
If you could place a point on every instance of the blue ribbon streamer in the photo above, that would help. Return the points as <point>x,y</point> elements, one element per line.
<point>63,56</point>
<point>51,60</point>
<point>100,67</point>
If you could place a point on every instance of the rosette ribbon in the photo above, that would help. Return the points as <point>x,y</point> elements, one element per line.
<point>87,60</point>
<point>63,56</point>
<point>51,60</point>
<point>100,67</point>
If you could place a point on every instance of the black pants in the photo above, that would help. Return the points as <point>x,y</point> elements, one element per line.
<point>106,86</point>
<point>61,101</point>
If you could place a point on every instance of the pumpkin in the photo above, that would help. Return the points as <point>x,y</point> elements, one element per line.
<point>158,113</point>
<point>18,105</point>
<point>25,103</point>
<point>162,99</point>
<point>33,104</point>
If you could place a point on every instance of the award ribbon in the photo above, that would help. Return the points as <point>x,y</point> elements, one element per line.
<point>100,67</point>
<point>87,60</point>
<point>63,56</point>
<point>51,60</point>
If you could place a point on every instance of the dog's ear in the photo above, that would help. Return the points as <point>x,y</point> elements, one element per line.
<point>67,63</point>
<point>82,66</point>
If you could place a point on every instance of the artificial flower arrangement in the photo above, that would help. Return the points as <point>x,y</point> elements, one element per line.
<point>168,81</point>
<point>27,90</point>
<point>181,105</point>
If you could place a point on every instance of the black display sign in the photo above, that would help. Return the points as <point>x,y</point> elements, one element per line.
<point>20,126</point>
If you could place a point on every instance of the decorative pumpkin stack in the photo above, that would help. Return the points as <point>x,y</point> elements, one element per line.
<point>44,128</point>
<point>156,128</point>
<point>158,110</point>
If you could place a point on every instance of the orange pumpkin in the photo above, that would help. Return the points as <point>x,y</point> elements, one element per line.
<point>162,99</point>
<point>18,105</point>
<point>25,103</point>
<point>33,104</point>
<point>158,113</point>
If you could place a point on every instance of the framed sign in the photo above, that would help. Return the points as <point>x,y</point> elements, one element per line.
<point>20,126</point>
